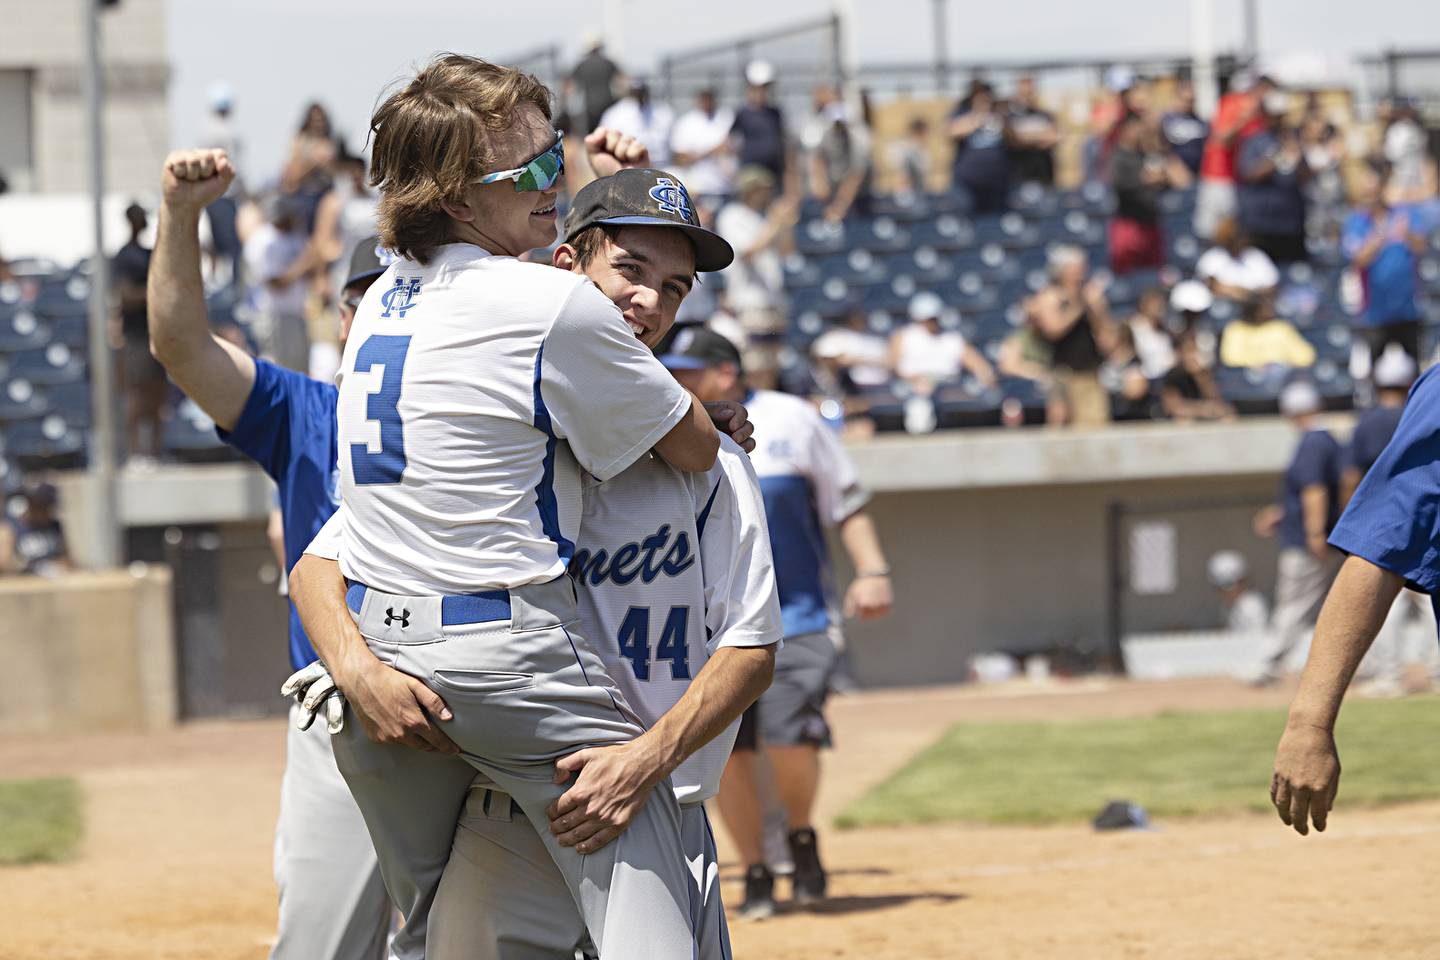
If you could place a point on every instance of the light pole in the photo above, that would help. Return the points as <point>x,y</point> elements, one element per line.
<point>104,522</point>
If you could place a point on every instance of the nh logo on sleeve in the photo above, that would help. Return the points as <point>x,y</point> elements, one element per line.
<point>401,297</point>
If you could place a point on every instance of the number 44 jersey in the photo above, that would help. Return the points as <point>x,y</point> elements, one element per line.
<point>669,568</point>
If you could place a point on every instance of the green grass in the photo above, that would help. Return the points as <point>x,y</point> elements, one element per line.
<point>1171,764</point>
<point>40,820</point>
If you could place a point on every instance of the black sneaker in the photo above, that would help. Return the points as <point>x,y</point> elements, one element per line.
<point>809,879</point>
<point>759,894</point>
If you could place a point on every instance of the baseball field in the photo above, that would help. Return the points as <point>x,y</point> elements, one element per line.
<point>174,861</point>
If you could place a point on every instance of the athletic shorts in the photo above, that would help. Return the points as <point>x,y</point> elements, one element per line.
<point>792,711</point>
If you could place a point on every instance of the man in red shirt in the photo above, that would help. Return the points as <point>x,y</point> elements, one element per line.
<point>1237,117</point>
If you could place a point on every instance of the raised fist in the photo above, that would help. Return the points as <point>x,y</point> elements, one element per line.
<point>195,178</point>
<point>609,151</point>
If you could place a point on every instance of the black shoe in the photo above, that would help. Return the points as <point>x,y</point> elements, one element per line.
<point>759,894</point>
<point>809,879</point>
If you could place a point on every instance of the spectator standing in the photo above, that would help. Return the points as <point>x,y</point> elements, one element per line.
<point>1234,269</point>
<point>1184,130</point>
<point>1032,156</point>
<point>307,175</point>
<point>1384,250</point>
<point>346,216</point>
<point>274,258</point>
<point>593,78</point>
<point>1273,177</point>
<point>1324,148</point>
<point>982,138</point>
<point>1140,170</point>
<point>837,152</point>
<point>1073,317</point>
<point>641,117</point>
<point>910,157</point>
<point>1301,522</point>
<point>1237,117</point>
<point>33,541</point>
<point>218,133</point>
<point>1188,391</point>
<point>1259,340</point>
<point>141,378</point>
<point>761,229</point>
<point>1246,612</point>
<point>926,355</point>
<point>700,143</point>
<point>759,128</point>
<point>1406,152</point>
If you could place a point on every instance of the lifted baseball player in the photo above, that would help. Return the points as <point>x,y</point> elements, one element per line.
<point>808,483</point>
<point>332,902</point>
<point>674,577</point>
<point>474,389</point>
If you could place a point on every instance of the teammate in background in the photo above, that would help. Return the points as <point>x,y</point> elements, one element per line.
<point>809,484</point>
<point>33,540</point>
<point>332,903</point>
<point>1246,612</point>
<point>462,505</point>
<point>1309,505</point>
<point>674,576</point>
<point>1391,531</point>
<point>1384,667</point>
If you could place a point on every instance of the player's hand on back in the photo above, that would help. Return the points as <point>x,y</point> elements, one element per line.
<point>394,707</point>
<point>195,178</point>
<point>1307,776</point>
<point>610,151</point>
<point>732,419</point>
<point>612,786</point>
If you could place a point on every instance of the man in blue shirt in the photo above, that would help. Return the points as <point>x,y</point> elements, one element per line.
<point>1272,174</point>
<point>1391,531</point>
<point>333,905</point>
<point>1309,505</point>
<point>1383,247</point>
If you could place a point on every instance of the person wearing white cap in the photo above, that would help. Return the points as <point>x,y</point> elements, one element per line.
<point>759,129</point>
<point>1246,612</point>
<point>925,354</point>
<point>1309,507</point>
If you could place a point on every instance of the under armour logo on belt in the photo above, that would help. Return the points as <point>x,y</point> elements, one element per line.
<point>391,617</point>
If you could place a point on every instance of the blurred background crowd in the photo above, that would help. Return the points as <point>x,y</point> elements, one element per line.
<point>1000,259</point>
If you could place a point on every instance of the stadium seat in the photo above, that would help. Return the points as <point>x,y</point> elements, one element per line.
<point>44,442</point>
<point>21,401</point>
<point>20,329</point>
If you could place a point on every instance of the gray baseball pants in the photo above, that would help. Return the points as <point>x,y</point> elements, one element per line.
<point>332,902</point>
<point>524,691</point>
<point>502,898</point>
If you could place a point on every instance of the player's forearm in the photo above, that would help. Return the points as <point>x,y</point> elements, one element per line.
<point>729,682</point>
<point>317,588</point>
<point>1354,611</point>
<point>693,443</point>
<point>862,543</point>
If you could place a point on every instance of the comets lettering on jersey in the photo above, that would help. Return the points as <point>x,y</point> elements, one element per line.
<point>635,559</point>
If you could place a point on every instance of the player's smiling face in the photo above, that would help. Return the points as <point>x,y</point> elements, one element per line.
<point>509,221</point>
<point>646,272</point>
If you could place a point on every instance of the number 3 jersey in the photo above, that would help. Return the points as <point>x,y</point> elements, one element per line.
<point>670,567</point>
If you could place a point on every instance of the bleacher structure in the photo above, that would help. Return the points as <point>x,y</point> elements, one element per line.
<point>982,267</point>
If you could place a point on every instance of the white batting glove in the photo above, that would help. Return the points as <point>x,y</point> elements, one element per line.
<point>313,687</point>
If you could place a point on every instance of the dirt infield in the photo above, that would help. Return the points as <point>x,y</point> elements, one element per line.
<point>176,863</point>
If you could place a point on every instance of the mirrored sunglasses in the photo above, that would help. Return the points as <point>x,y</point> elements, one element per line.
<point>537,174</point>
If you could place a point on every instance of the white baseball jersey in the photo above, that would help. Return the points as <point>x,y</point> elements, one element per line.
<point>670,567</point>
<point>472,391</point>
<point>809,483</point>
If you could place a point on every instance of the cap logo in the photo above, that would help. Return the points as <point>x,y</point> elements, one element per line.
<point>384,256</point>
<point>683,340</point>
<point>671,198</point>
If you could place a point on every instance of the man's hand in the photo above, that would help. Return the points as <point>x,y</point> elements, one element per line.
<point>610,151</point>
<point>869,598</point>
<point>313,687</point>
<point>1307,775</point>
<point>1267,520</point>
<point>732,419</point>
<point>194,179</point>
<point>612,786</point>
<point>394,707</point>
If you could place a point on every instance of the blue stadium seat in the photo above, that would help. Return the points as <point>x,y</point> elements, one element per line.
<point>62,295</point>
<point>946,232</point>
<point>820,236</point>
<point>21,401</point>
<point>865,267</point>
<point>56,363</point>
<point>190,436</point>
<point>882,234</point>
<point>71,401</point>
<point>801,271</point>
<point>47,441</point>
<point>20,329</point>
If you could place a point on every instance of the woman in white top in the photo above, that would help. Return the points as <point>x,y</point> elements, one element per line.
<point>925,355</point>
